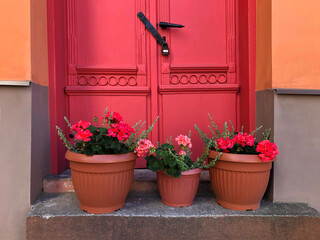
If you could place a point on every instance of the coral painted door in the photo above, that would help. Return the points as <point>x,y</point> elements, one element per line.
<point>113,60</point>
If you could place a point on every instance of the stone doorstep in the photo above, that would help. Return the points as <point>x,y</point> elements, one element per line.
<point>143,181</point>
<point>57,216</point>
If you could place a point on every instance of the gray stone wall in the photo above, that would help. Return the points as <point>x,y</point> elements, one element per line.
<point>24,151</point>
<point>40,138</point>
<point>295,120</point>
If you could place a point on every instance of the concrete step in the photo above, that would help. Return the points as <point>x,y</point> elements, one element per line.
<point>57,216</point>
<point>144,181</point>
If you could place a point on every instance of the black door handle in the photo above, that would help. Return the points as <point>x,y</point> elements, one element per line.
<point>155,34</point>
<point>171,25</point>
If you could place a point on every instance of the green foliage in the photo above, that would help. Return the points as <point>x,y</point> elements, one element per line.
<point>64,139</point>
<point>228,132</point>
<point>100,142</point>
<point>135,137</point>
<point>266,135</point>
<point>167,158</point>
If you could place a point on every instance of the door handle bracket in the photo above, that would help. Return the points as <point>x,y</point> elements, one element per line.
<point>165,25</point>
<point>155,34</point>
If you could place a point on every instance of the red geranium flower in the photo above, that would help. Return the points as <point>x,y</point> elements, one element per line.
<point>267,150</point>
<point>84,135</point>
<point>224,144</point>
<point>116,117</point>
<point>244,139</point>
<point>81,125</point>
<point>122,131</point>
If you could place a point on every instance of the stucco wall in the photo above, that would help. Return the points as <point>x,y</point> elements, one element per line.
<point>295,44</point>
<point>263,46</point>
<point>288,56</point>
<point>40,138</point>
<point>15,60</point>
<point>288,49</point>
<point>296,172</point>
<point>39,43</point>
<point>295,123</point>
<point>25,154</point>
<point>24,115</point>
<point>15,161</point>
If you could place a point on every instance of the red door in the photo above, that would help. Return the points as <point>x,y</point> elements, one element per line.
<point>112,60</point>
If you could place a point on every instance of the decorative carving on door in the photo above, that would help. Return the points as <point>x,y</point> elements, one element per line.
<point>79,75</point>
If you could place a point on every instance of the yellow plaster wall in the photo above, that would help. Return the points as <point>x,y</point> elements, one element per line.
<point>15,61</point>
<point>288,44</point>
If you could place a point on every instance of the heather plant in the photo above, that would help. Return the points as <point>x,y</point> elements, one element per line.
<point>173,160</point>
<point>112,136</point>
<point>230,141</point>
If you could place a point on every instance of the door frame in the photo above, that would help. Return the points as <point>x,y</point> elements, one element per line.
<point>56,32</point>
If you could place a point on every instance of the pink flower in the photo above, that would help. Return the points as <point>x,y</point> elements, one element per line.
<point>81,125</point>
<point>183,140</point>
<point>224,144</point>
<point>182,153</point>
<point>84,135</point>
<point>267,150</point>
<point>144,147</point>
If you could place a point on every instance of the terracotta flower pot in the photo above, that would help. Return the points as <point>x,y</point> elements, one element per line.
<point>101,182</point>
<point>239,180</point>
<point>178,192</point>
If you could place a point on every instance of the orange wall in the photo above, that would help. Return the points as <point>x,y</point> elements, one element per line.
<point>23,41</point>
<point>291,29</point>
<point>296,44</point>
<point>39,47</point>
<point>15,61</point>
<point>263,59</point>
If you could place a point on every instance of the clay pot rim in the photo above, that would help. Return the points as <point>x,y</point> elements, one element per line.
<point>192,171</point>
<point>234,157</point>
<point>103,158</point>
<point>186,173</point>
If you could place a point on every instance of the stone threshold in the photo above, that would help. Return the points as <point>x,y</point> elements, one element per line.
<point>57,216</point>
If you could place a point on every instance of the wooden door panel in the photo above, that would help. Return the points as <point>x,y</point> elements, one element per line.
<point>92,105</point>
<point>106,43</point>
<point>100,54</point>
<point>106,60</point>
<point>111,58</point>
<point>203,36</point>
<point>205,47</point>
<point>106,31</point>
<point>180,112</point>
<point>199,75</point>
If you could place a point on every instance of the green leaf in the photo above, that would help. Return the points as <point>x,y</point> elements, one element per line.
<point>166,146</point>
<point>92,128</point>
<point>171,161</point>
<point>103,130</point>
<point>160,153</point>
<point>169,171</point>
<point>177,173</point>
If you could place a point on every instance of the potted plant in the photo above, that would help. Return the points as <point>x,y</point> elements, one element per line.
<point>177,175</point>
<point>102,160</point>
<point>242,166</point>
